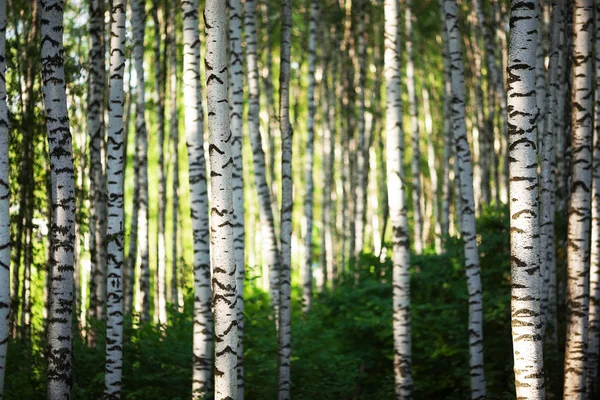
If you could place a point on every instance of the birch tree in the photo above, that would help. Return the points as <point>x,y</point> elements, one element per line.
<point>578,234</point>
<point>414,124</point>
<point>397,204</point>
<point>95,127</point>
<point>60,349</point>
<point>115,228</point>
<point>265,210</point>
<point>141,164</point>
<point>236,113</point>
<point>222,212</point>
<point>467,212</point>
<point>194,126</point>
<point>594,317</point>
<point>523,182</point>
<point>287,204</point>
<point>307,287</point>
<point>5,245</point>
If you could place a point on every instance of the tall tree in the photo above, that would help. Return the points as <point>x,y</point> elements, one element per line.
<point>4,203</point>
<point>307,287</point>
<point>287,204</point>
<point>194,127</point>
<point>467,211</point>
<point>414,125</point>
<point>115,233</point>
<point>265,210</point>
<point>221,212</point>
<point>160,303</point>
<point>362,146</point>
<point>236,113</point>
<point>578,239</point>
<point>60,349</point>
<point>594,318</point>
<point>523,194</point>
<point>140,235</point>
<point>397,203</point>
<point>96,128</point>
<point>174,132</point>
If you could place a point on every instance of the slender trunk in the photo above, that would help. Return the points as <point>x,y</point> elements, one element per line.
<point>578,239</point>
<point>307,285</point>
<point>4,204</point>
<point>59,374</point>
<point>222,211</point>
<point>271,248</point>
<point>594,320</point>
<point>397,203</point>
<point>414,125</point>
<point>115,233</point>
<point>362,147</point>
<point>96,128</point>
<point>236,113</point>
<point>160,302</point>
<point>194,127</point>
<point>287,205</point>
<point>547,179</point>
<point>524,222</point>
<point>447,132</point>
<point>432,173</point>
<point>468,230</point>
<point>141,164</point>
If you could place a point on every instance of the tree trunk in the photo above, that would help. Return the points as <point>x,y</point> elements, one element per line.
<point>141,164</point>
<point>174,131</point>
<point>4,204</point>
<point>414,125</point>
<point>194,126</point>
<point>594,318</point>
<point>547,179</point>
<point>160,302</point>
<point>432,173</point>
<point>397,203</point>
<point>59,373</point>
<point>578,240</point>
<point>95,124</point>
<point>222,211</point>
<point>236,113</point>
<point>271,248</point>
<point>287,205</point>
<point>468,230</point>
<point>307,285</point>
<point>115,233</point>
<point>523,182</point>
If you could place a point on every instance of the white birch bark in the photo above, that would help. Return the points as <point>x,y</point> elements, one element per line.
<point>594,316</point>
<point>115,234</point>
<point>265,210</point>
<point>467,203</point>
<point>414,125</point>
<point>578,236</point>
<point>287,205</point>
<point>222,212</point>
<point>95,127</point>
<point>194,126</point>
<point>547,179</point>
<point>141,143</point>
<point>60,350</point>
<point>174,133</point>
<point>4,204</point>
<point>307,285</point>
<point>160,302</point>
<point>523,194</point>
<point>431,157</point>
<point>236,113</point>
<point>362,153</point>
<point>397,202</point>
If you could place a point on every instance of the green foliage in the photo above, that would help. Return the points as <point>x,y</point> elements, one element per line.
<point>342,349</point>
